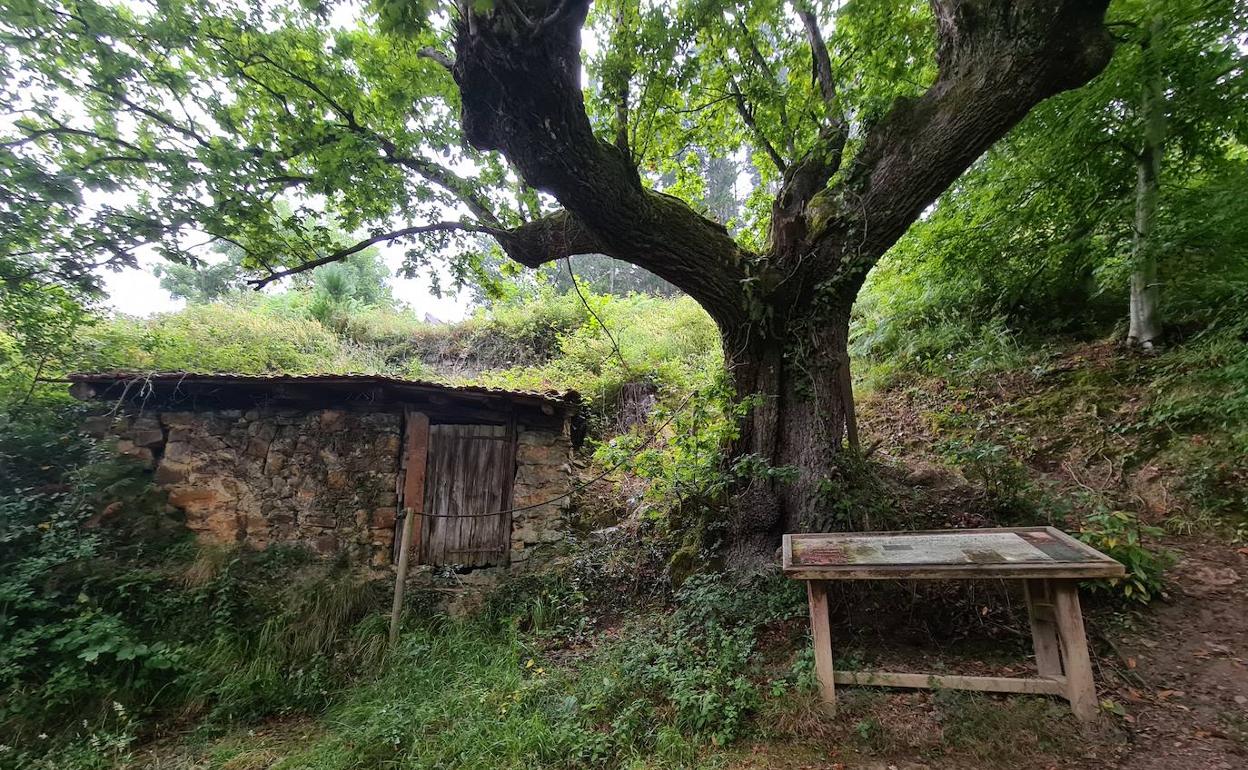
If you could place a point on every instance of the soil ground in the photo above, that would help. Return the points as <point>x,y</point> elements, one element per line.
<point>1183,674</point>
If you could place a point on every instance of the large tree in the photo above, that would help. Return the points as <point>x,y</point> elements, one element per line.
<point>200,119</point>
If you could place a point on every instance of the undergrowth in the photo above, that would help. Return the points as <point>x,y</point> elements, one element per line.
<point>112,621</point>
<point>488,692</point>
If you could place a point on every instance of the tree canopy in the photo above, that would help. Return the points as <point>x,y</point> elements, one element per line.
<point>556,129</point>
<point>184,123</point>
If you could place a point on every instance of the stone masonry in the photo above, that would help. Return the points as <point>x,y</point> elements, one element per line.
<point>325,479</point>
<point>543,468</point>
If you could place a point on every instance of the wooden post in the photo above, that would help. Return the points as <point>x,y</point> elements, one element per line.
<point>1080,688</point>
<point>821,633</point>
<point>1044,636</point>
<point>415,458</point>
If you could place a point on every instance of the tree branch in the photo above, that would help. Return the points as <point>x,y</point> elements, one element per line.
<point>532,244</point>
<point>552,237</point>
<point>619,77</point>
<point>446,179</point>
<point>521,94</point>
<point>808,177</point>
<point>747,115</point>
<point>60,129</point>
<point>762,66</point>
<point>406,232</point>
<point>433,54</point>
<point>997,59</point>
<point>821,61</point>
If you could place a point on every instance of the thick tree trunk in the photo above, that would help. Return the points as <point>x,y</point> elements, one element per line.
<point>1145,323</point>
<point>801,416</point>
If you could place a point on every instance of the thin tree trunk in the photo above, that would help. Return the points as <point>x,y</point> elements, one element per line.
<point>1145,323</point>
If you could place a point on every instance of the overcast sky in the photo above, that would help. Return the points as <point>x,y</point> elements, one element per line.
<point>138,292</point>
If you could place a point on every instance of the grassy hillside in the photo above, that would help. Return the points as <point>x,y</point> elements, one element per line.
<point>124,644</point>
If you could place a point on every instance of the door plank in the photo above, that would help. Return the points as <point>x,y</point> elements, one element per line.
<point>469,476</point>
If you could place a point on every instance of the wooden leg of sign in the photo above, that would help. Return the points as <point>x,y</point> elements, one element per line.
<point>1043,627</point>
<point>821,634</point>
<point>1080,688</point>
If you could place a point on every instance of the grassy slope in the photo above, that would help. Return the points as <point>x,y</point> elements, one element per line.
<point>1005,436</point>
<point>1077,432</point>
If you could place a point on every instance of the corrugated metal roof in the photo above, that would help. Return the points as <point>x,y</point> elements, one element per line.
<point>557,397</point>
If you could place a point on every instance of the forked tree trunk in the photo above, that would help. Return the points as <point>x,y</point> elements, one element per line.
<point>1145,323</point>
<point>783,312</point>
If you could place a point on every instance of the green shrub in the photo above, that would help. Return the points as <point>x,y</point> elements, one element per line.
<point>78,630</point>
<point>680,454</point>
<point>892,335</point>
<point>1120,534</point>
<point>853,497</point>
<point>1002,477</point>
<point>549,605</point>
<point>701,678</point>
<point>481,693</point>
<point>670,342</point>
<point>711,599</point>
<point>218,337</point>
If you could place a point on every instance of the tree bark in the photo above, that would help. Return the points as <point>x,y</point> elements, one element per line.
<point>1145,317</point>
<point>802,417</point>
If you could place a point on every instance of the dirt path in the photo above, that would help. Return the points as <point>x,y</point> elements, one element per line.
<point>1176,671</point>
<point>1187,696</point>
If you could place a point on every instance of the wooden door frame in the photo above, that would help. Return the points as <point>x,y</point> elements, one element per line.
<point>509,489</point>
<point>410,487</point>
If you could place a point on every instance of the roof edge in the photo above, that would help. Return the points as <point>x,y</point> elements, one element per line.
<point>563,398</point>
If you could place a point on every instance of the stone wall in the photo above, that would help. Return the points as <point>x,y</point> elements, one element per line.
<point>325,479</point>
<point>543,470</point>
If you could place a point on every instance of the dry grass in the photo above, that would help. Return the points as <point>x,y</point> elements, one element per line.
<point>256,759</point>
<point>209,562</point>
<point>880,728</point>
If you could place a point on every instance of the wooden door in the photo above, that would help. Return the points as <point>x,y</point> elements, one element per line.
<point>467,482</point>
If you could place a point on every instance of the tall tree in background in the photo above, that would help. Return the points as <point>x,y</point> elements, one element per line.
<point>198,119</point>
<point>1191,102</point>
<point>1145,165</point>
<point>204,282</point>
<point>1143,319</point>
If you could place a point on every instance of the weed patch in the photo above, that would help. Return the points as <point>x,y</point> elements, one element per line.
<point>1005,731</point>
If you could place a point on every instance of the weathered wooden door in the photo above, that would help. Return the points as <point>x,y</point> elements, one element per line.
<point>468,481</point>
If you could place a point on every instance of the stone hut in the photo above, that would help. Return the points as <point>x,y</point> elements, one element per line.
<point>329,461</point>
